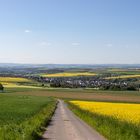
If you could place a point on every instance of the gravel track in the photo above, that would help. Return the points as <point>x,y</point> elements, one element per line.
<point>66,126</point>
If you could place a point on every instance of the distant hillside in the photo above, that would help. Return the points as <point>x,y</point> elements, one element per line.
<point>51,66</point>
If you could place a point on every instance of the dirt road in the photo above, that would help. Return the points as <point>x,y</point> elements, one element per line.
<point>66,126</point>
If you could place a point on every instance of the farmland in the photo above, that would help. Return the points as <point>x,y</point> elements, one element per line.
<point>26,96</point>
<point>18,82</point>
<point>18,106</point>
<point>21,117</point>
<point>13,79</point>
<point>96,78</point>
<point>101,78</point>
<point>69,74</point>
<point>119,111</point>
<point>92,95</point>
<point>125,76</point>
<point>113,120</point>
<point>69,70</point>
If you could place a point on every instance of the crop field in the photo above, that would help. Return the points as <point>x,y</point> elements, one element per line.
<point>26,109</point>
<point>21,117</point>
<point>13,79</point>
<point>114,120</point>
<point>17,82</point>
<point>23,112</point>
<point>124,76</point>
<point>115,96</point>
<point>69,74</point>
<point>16,85</point>
<point>121,111</point>
<point>128,71</point>
<point>124,73</point>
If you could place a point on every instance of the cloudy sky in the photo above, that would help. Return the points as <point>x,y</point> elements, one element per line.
<point>70,31</point>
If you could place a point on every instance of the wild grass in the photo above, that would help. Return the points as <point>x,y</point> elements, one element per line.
<point>23,117</point>
<point>113,128</point>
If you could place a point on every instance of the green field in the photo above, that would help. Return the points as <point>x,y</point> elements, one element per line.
<point>22,117</point>
<point>124,71</point>
<point>83,94</point>
<point>25,109</point>
<point>124,77</point>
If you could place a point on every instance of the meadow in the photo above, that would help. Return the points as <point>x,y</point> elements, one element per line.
<point>124,71</point>
<point>23,117</point>
<point>82,94</point>
<point>113,120</point>
<point>124,76</point>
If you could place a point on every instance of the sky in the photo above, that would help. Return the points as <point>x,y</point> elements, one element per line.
<point>70,31</point>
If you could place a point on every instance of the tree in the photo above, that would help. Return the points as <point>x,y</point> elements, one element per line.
<point>1,87</point>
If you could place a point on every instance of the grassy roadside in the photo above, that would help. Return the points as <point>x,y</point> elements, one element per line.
<point>24,117</point>
<point>111,128</point>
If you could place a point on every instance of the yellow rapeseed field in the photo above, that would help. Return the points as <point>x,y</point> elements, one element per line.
<point>122,111</point>
<point>69,74</point>
<point>13,79</point>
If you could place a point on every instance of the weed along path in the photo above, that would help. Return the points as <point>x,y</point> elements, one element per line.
<point>66,126</point>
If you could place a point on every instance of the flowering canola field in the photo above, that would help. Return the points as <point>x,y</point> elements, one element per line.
<point>15,82</point>
<point>69,74</point>
<point>13,79</point>
<point>121,111</point>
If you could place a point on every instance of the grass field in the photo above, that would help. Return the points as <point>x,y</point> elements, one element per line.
<point>116,121</point>
<point>124,76</point>
<point>69,74</point>
<point>115,96</point>
<point>24,110</point>
<point>22,117</point>
<point>21,86</point>
<point>125,71</point>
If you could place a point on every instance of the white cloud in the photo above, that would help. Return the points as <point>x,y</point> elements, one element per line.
<point>27,31</point>
<point>109,45</point>
<point>75,44</point>
<point>45,43</point>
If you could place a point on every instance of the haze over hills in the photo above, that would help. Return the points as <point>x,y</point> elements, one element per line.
<point>51,66</point>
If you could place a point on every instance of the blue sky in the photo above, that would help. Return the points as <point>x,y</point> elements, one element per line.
<point>70,31</point>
